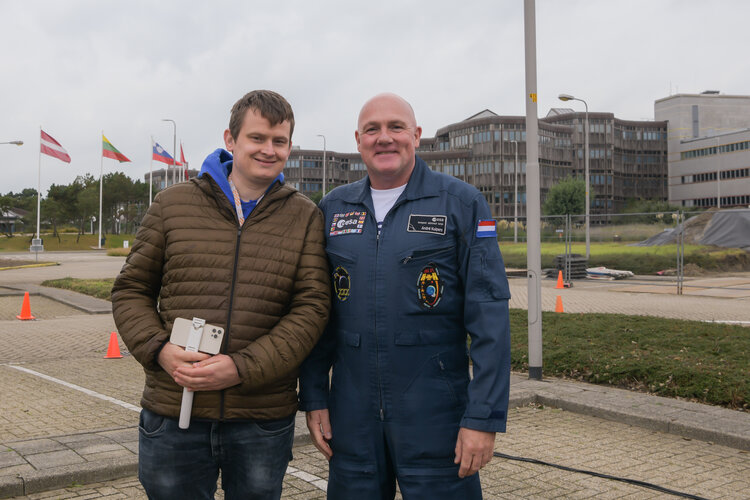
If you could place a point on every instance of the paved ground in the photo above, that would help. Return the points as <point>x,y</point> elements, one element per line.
<point>69,416</point>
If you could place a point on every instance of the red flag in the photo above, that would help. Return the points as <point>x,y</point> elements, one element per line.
<point>51,147</point>
<point>183,162</point>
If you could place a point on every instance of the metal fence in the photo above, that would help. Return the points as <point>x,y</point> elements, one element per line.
<point>666,232</point>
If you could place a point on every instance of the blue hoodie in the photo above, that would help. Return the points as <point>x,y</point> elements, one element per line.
<point>218,165</point>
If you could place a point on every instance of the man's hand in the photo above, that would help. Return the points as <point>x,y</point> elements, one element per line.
<point>473,450</point>
<point>319,424</point>
<point>212,374</point>
<point>173,356</point>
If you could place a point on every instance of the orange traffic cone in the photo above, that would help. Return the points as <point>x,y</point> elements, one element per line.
<point>558,305</point>
<point>560,283</point>
<point>25,308</point>
<point>113,351</point>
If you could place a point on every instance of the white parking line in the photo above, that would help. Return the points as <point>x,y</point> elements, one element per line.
<point>77,388</point>
<point>316,481</point>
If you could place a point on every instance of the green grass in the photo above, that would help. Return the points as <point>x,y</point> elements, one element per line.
<point>639,260</point>
<point>100,288</point>
<point>704,362</point>
<point>66,242</point>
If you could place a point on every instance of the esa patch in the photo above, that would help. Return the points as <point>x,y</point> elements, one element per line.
<point>486,229</point>
<point>347,223</point>
<point>429,286</point>
<point>341,283</point>
<point>432,224</point>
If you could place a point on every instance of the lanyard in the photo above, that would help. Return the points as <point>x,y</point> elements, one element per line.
<point>238,202</point>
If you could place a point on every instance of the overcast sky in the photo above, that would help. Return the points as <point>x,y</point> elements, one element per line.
<point>80,67</point>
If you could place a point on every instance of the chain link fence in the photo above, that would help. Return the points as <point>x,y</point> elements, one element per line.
<point>653,246</point>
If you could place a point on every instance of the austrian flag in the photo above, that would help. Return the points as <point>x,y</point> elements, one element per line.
<point>486,229</point>
<point>51,147</point>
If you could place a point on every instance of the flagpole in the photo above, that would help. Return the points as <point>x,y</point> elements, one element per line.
<point>151,172</point>
<point>39,185</point>
<point>101,171</point>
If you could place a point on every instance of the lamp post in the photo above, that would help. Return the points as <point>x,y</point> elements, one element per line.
<point>174,150</point>
<point>324,163</point>
<point>568,97</point>
<point>515,195</point>
<point>17,143</point>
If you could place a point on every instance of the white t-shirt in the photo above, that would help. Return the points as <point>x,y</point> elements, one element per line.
<point>383,200</point>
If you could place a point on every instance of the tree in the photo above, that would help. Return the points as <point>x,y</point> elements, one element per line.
<point>566,197</point>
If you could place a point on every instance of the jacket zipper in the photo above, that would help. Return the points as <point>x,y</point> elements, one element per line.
<point>377,349</point>
<point>231,304</point>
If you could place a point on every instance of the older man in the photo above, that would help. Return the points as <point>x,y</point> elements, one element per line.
<point>415,266</point>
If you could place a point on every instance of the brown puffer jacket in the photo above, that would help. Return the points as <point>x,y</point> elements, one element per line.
<point>265,283</point>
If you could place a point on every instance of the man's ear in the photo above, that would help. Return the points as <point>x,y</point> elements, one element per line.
<point>356,138</point>
<point>417,136</point>
<point>228,140</point>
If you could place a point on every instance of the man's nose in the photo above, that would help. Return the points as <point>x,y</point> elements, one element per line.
<point>267,148</point>
<point>384,136</point>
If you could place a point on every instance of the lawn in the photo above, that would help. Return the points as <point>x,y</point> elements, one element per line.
<point>66,242</point>
<point>704,362</point>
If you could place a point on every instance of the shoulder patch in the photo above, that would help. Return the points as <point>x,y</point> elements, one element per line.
<point>486,229</point>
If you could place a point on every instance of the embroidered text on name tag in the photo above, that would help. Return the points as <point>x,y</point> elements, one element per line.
<point>433,224</point>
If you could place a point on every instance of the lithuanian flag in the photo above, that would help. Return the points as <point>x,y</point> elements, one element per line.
<point>109,151</point>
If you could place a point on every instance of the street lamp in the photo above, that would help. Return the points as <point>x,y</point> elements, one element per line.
<point>17,143</point>
<point>174,150</point>
<point>515,195</point>
<point>324,163</point>
<point>568,97</point>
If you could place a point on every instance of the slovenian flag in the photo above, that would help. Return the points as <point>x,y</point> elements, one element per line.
<point>486,229</point>
<point>109,151</point>
<point>160,154</point>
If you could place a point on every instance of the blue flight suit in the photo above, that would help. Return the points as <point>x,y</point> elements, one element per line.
<point>403,303</point>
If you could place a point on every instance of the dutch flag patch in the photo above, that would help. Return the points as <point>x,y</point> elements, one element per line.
<point>486,229</point>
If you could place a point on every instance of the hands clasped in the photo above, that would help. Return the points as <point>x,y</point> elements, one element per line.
<point>198,371</point>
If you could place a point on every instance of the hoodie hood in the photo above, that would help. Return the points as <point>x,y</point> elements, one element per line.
<point>218,165</point>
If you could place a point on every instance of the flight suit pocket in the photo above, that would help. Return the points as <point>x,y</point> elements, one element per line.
<point>428,279</point>
<point>341,265</point>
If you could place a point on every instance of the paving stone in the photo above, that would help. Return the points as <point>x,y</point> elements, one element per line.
<point>52,459</point>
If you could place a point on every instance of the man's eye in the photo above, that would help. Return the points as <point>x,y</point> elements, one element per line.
<point>397,128</point>
<point>370,130</point>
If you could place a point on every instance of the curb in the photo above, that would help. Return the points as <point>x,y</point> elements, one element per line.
<point>85,303</point>
<point>27,266</point>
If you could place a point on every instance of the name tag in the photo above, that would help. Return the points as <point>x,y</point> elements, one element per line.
<point>432,224</point>
<point>347,223</point>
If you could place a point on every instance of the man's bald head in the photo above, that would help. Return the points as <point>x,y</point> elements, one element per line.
<point>391,98</point>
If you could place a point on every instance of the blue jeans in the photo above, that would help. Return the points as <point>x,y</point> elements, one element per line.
<point>184,464</point>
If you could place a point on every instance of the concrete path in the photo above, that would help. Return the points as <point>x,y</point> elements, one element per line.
<point>69,417</point>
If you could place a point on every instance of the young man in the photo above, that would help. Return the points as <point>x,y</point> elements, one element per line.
<point>241,250</point>
<point>415,266</point>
